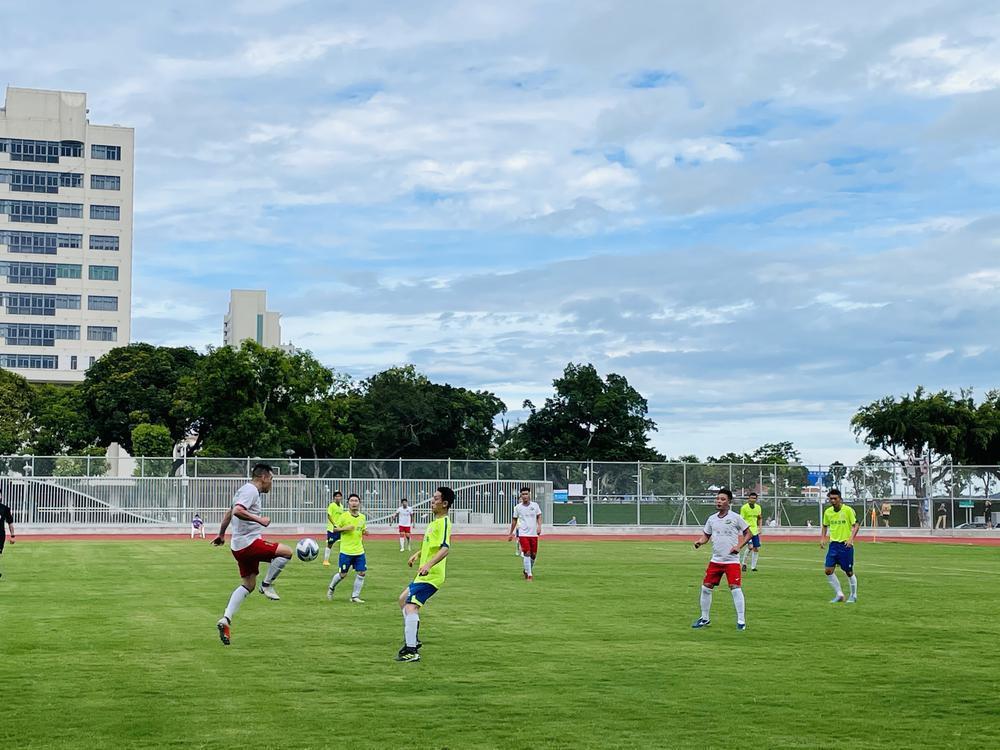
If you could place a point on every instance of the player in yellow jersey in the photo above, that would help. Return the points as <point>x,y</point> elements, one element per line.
<point>352,527</point>
<point>842,524</point>
<point>333,511</point>
<point>430,576</point>
<point>753,514</point>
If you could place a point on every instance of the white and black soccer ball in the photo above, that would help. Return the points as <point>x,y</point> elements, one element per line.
<point>306,549</point>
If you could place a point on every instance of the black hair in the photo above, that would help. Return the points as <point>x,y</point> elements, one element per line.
<point>526,489</point>
<point>448,495</point>
<point>338,492</point>
<point>404,500</point>
<point>354,494</point>
<point>833,492</point>
<point>727,492</point>
<point>260,470</point>
<point>752,494</point>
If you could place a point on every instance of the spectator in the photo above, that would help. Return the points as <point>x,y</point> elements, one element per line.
<point>942,517</point>
<point>886,511</point>
<point>988,513</point>
<point>571,521</point>
<point>809,523</point>
<point>197,525</point>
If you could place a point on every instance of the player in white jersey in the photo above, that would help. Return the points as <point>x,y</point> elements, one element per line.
<point>404,516</point>
<point>528,522</point>
<point>248,545</point>
<point>728,532</point>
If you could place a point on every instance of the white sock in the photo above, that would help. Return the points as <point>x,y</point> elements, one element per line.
<point>359,581</point>
<point>411,621</point>
<point>235,600</point>
<point>835,584</point>
<point>853,580</point>
<point>192,532</point>
<point>402,542</point>
<point>277,564</point>
<point>753,559</point>
<point>527,564</point>
<point>337,578</point>
<point>741,605</point>
<point>326,554</point>
<point>706,602</point>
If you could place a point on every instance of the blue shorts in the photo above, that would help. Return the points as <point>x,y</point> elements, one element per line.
<point>332,536</point>
<point>755,541</point>
<point>840,554</point>
<point>353,561</point>
<point>420,593</point>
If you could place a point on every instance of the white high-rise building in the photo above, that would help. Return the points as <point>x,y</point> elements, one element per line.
<point>249,318</point>
<point>65,235</point>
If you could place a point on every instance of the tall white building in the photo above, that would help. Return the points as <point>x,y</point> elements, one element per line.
<point>249,318</point>
<point>65,235</point>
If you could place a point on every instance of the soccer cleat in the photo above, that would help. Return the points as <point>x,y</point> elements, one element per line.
<point>407,654</point>
<point>837,599</point>
<point>530,578</point>
<point>268,590</point>
<point>741,626</point>
<point>223,626</point>
<point>326,563</point>
<point>701,622</point>
<point>744,568</point>
<point>357,600</point>
<point>753,570</point>
<point>852,600</point>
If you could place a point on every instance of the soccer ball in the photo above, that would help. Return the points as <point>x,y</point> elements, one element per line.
<point>307,549</point>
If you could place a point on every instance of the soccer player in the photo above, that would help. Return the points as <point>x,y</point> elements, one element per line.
<point>528,521</point>
<point>728,532</point>
<point>752,513</point>
<point>842,524</point>
<point>333,512</point>
<point>197,525</point>
<point>6,517</point>
<point>248,545</point>
<point>430,575</point>
<point>352,527</point>
<point>404,515</point>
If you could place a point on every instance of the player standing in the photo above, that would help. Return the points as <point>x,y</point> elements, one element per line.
<point>6,517</point>
<point>728,532</point>
<point>752,513</point>
<point>404,516</point>
<point>333,512</point>
<point>430,576</point>
<point>248,545</point>
<point>528,521</point>
<point>842,524</point>
<point>352,527</point>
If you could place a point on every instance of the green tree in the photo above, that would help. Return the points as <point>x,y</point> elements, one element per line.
<point>61,424</point>
<point>134,384</point>
<point>835,475</point>
<point>16,424</point>
<point>589,418</point>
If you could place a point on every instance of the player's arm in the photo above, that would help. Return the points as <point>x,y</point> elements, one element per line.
<point>539,524</point>
<point>743,540</point>
<point>510,531</point>
<point>855,527</point>
<point>440,555</point>
<point>822,536</point>
<point>704,540</point>
<point>221,538</point>
<point>242,513</point>
<point>10,525</point>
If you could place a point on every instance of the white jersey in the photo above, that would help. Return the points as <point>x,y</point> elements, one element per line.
<point>527,518</point>
<point>725,533</point>
<point>245,532</point>
<point>405,515</point>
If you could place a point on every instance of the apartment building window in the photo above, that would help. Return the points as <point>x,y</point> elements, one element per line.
<point>103,273</point>
<point>103,242</point>
<point>98,302</point>
<point>40,212</point>
<point>38,273</point>
<point>71,148</point>
<point>102,333</point>
<point>110,213</point>
<point>39,304</point>
<point>21,149</point>
<point>24,181</point>
<point>105,182</point>
<point>44,243</point>
<point>112,153</point>
<point>29,361</point>
<point>72,362</point>
<point>91,362</point>
<point>17,334</point>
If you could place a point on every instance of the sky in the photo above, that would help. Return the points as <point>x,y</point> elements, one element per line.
<point>763,214</point>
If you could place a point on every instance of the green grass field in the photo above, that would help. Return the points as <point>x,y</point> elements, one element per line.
<point>113,645</point>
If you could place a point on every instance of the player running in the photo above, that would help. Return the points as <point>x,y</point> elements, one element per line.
<point>404,516</point>
<point>728,532</point>
<point>352,527</point>
<point>333,512</point>
<point>528,521</point>
<point>6,517</point>
<point>248,546</point>
<point>752,513</point>
<point>842,524</point>
<point>430,576</point>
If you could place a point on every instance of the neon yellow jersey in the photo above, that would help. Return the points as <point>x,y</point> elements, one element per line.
<point>839,522</point>
<point>752,516</point>
<point>333,511</point>
<point>436,536</point>
<point>351,541</point>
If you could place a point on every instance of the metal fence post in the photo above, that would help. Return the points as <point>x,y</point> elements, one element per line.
<point>638,493</point>
<point>684,494</point>
<point>350,468</point>
<point>449,467</point>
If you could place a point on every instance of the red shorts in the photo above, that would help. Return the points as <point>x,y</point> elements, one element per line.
<point>715,570</point>
<point>404,529</point>
<point>250,558</point>
<point>529,544</point>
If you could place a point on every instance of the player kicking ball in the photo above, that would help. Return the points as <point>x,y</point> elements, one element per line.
<point>430,575</point>
<point>527,521</point>
<point>248,545</point>
<point>728,532</point>
<point>352,527</point>
<point>841,523</point>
